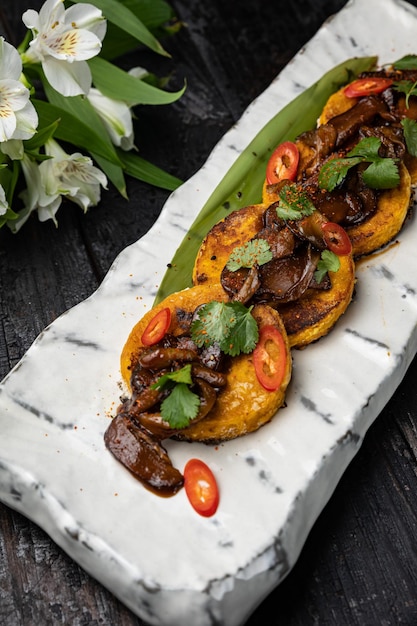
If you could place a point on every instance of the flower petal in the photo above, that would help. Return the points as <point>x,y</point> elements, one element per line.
<point>27,122</point>
<point>68,79</point>
<point>10,63</point>
<point>3,202</point>
<point>72,45</point>
<point>13,148</point>
<point>14,94</point>
<point>116,116</point>
<point>49,211</point>
<point>87,16</point>
<point>51,13</point>
<point>7,124</point>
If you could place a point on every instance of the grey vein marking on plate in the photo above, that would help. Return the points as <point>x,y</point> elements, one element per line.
<point>264,475</point>
<point>384,272</point>
<point>312,407</point>
<point>373,342</point>
<point>42,415</point>
<point>72,338</point>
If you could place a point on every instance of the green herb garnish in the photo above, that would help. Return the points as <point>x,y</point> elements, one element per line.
<point>169,379</point>
<point>382,173</point>
<point>181,405</point>
<point>408,87</point>
<point>254,252</point>
<point>410,135</point>
<point>293,203</point>
<point>230,324</point>
<point>329,261</point>
<point>407,62</point>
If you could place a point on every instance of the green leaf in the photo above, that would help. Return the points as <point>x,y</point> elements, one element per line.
<point>407,62</point>
<point>407,87</point>
<point>242,184</point>
<point>230,324</point>
<point>115,83</point>
<point>41,136</point>
<point>243,335</point>
<point>156,15</point>
<point>254,252</point>
<point>333,172</point>
<point>382,174</point>
<point>153,13</point>
<point>74,127</point>
<point>81,126</point>
<point>9,176</point>
<point>368,148</point>
<point>410,134</point>
<point>213,323</point>
<point>139,168</point>
<point>180,406</point>
<point>293,203</point>
<point>182,375</point>
<point>114,173</point>
<point>125,19</point>
<point>329,262</point>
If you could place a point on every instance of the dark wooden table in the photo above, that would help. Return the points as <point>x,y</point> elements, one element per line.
<point>358,566</point>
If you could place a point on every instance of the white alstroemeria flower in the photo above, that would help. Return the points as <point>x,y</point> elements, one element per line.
<point>13,148</point>
<point>18,117</point>
<point>116,117</point>
<point>63,40</point>
<point>3,202</point>
<point>71,175</point>
<point>35,196</point>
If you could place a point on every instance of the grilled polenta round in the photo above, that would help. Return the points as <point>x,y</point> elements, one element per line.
<point>307,318</point>
<point>243,405</point>
<point>216,247</point>
<point>393,204</point>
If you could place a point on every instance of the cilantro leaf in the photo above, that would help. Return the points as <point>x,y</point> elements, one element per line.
<point>293,203</point>
<point>333,172</point>
<point>214,322</point>
<point>329,261</point>
<point>243,335</point>
<point>407,62</point>
<point>180,406</point>
<point>168,379</point>
<point>382,173</point>
<point>254,252</point>
<point>367,148</point>
<point>407,87</point>
<point>410,135</point>
<point>230,324</point>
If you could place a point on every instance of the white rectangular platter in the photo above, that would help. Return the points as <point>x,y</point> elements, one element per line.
<point>56,403</point>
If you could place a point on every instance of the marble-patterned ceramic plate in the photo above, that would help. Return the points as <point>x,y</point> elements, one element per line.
<point>56,404</point>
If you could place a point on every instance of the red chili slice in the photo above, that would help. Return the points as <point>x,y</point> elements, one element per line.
<point>201,487</point>
<point>367,86</point>
<point>157,327</point>
<point>283,163</point>
<point>336,239</point>
<point>270,358</point>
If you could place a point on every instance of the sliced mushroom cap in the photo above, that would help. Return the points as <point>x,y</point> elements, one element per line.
<point>285,280</point>
<point>142,455</point>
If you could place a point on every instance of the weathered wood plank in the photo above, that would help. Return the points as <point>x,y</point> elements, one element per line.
<point>358,565</point>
